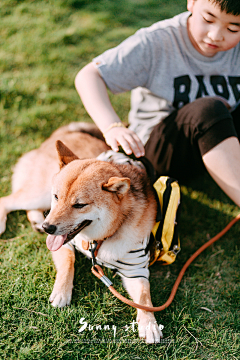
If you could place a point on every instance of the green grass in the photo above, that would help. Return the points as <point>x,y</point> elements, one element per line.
<point>43,46</point>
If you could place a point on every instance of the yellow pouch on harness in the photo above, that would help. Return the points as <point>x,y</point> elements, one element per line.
<point>164,242</point>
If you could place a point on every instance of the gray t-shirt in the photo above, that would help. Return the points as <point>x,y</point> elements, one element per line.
<point>164,71</point>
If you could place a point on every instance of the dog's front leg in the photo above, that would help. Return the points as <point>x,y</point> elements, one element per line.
<point>64,259</point>
<point>36,219</point>
<point>139,290</point>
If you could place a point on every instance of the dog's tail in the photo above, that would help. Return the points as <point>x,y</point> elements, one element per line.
<point>87,128</point>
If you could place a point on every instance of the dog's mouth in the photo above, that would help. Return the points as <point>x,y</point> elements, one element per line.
<point>77,230</point>
<point>54,242</point>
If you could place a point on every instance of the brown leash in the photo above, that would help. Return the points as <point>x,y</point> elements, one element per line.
<point>98,272</point>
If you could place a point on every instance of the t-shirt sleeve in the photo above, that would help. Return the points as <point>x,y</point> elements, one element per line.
<point>126,66</point>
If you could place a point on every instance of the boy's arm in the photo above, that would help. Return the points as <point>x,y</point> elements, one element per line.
<point>93,92</point>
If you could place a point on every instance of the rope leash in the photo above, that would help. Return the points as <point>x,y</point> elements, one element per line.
<point>98,272</point>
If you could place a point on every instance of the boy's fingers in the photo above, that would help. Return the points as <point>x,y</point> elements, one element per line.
<point>134,144</point>
<point>127,139</point>
<point>126,147</point>
<point>140,151</point>
<point>113,143</point>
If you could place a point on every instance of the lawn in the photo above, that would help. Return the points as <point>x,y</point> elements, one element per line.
<point>43,46</point>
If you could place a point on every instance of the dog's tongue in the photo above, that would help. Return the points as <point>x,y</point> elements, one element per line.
<point>54,242</point>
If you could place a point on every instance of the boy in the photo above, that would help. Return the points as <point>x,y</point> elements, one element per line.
<point>184,74</point>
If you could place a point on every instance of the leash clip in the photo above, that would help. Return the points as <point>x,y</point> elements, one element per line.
<point>176,249</point>
<point>93,247</point>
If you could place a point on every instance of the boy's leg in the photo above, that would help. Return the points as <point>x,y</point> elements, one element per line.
<point>200,135</point>
<point>223,164</point>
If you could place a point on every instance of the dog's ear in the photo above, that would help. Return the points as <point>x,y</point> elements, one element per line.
<point>65,155</point>
<point>120,186</point>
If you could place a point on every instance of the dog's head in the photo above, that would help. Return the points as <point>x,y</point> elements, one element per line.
<point>88,197</point>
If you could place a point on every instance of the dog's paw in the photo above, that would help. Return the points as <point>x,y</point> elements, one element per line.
<point>36,219</point>
<point>148,329</point>
<point>37,227</point>
<point>60,298</point>
<point>2,227</point>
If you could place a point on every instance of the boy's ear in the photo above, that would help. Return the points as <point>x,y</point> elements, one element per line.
<point>65,155</point>
<point>190,4</point>
<point>119,186</point>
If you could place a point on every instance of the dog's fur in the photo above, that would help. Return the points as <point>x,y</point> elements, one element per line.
<point>115,202</point>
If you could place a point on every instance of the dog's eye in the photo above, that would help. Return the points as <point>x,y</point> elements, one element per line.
<point>78,206</point>
<point>55,197</point>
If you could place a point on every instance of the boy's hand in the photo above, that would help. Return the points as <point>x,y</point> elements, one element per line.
<point>127,139</point>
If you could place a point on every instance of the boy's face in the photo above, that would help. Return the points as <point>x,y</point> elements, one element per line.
<point>211,30</point>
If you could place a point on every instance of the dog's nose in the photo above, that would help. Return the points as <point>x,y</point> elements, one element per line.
<point>50,229</point>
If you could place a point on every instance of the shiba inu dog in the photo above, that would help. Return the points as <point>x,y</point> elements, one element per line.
<point>111,203</point>
<point>108,202</point>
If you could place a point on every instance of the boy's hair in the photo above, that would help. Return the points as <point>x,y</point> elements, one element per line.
<point>229,6</point>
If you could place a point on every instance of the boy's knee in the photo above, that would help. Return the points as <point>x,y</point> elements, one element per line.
<point>203,113</point>
<point>210,109</point>
<point>212,123</point>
